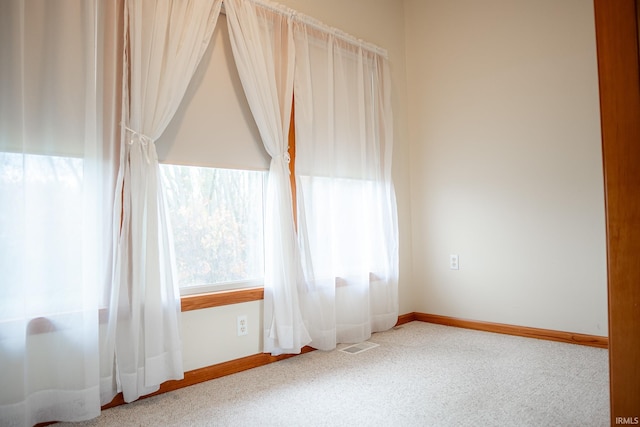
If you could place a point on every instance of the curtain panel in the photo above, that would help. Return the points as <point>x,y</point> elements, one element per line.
<point>164,42</point>
<point>262,43</point>
<point>346,203</point>
<point>57,178</point>
<point>336,279</point>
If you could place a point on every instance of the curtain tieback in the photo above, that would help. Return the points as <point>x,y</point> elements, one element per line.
<point>287,158</point>
<point>143,139</point>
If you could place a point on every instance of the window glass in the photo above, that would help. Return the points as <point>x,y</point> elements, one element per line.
<point>339,209</point>
<point>217,219</point>
<point>40,232</point>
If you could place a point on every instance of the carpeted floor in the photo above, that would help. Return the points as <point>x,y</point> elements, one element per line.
<point>420,375</point>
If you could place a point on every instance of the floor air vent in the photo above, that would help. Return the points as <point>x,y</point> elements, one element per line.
<point>359,348</point>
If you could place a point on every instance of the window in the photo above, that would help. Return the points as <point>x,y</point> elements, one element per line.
<point>217,219</point>
<point>339,210</point>
<point>215,196</point>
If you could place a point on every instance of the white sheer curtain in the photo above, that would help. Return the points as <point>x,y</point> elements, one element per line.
<point>166,40</point>
<point>56,188</point>
<point>109,75</point>
<point>346,204</point>
<point>262,43</point>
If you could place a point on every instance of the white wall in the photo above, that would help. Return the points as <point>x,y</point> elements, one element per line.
<point>506,167</point>
<point>209,336</point>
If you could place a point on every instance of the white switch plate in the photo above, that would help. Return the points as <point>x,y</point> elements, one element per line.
<point>454,262</point>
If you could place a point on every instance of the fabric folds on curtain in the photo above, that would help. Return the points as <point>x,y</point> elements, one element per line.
<point>111,38</point>
<point>166,40</point>
<point>262,44</point>
<point>55,196</point>
<point>346,204</point>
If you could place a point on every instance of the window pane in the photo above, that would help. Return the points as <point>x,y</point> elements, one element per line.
<point>40,233</point>
<point>217,221</point>
<point>342,226</point>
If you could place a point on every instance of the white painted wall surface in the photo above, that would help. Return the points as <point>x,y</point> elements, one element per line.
<point>506,167</point>
<point>210,336</point>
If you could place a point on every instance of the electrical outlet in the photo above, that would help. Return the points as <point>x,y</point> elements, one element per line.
<point>243,328</point>
<point>453,262</point>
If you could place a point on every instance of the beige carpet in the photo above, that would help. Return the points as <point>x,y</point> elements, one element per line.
<point>420,375</point>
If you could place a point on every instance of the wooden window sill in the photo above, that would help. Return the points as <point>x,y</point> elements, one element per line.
<point>217,299</point>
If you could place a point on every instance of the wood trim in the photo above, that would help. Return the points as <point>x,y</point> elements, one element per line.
<point>406,318</point>
<point>521,331</point>
<point>212,372</point>
<point>619,80</point>
<point>40,325</point>
<point>292,163</point>
<point>217,299</point>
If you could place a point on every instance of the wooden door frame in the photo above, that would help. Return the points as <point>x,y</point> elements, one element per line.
<point>617,41</point>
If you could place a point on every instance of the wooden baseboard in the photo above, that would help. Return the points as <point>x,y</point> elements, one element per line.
<point>212,372</point>
<point>522,331</point>
<point>406,318</point>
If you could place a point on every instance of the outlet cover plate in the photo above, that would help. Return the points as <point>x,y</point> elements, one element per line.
<point>454,263</point>
<point>243,328</point>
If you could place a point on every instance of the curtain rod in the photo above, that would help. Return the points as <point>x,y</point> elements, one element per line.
<point>316,24</point>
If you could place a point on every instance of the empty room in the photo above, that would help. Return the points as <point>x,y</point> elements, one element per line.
<point>337,212</point>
